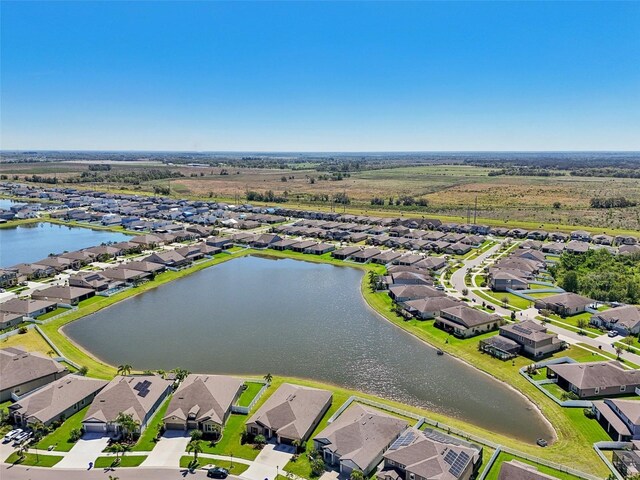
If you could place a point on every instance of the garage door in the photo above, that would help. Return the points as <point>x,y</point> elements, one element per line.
<point>174,426</point>
<point>94,427</point>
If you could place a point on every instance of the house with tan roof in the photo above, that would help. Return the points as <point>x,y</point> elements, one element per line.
<point>358,438</point>
<point>22,372</point>
<point>27,307</point>
<point>136,395</point>
<point>564,304</point>
<point>464,321</point>
<point>625,320</point>
<point>533,338</point>
<point>430,455</point>
<point>595,379</point>
<point>66,295</point>
<point>291,413</point>
<point>515,470</point>
<point>202,402</point>
<point>56,401</point>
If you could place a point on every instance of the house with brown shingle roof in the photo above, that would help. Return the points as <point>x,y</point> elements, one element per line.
<point>515,470</point>
<point>624,320</point>
<point>56,401</point>
<point>620,418</point>
<point>357,439</point>
<point>291,413</point>
<point>66,295</point>
<point>22,372</point>
<point>564,304</point>
<point>464,321</point>
<point>202,402</point>
<point>136,395</point>
<point>28,308</point>
<point>430,455</point>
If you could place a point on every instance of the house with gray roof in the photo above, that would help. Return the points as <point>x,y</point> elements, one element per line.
<point>358,438</point>
<point>344,253</point>
<point>430,455</point>
<point>405,293</point>
<point>595,379</point>
<point>22,372</point>
<point>136,395</point>
<point>56,401</point>
<point>625,320</point>
<point>430,307</point>
<point>534,339</point>
<point>28,307</point>
<point>202,402</point>
<point>291,413</point>
<point>619,417</point>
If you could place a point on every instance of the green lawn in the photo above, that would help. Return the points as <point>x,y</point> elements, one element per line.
<point>60,436</point>
<point>237,469</point>
<point>125,461</point>
<point>505,457</point>
<point>513,300</point>
<point>33,460</point>
<point>147,440</point>
<point>230,444</point>
<point>53,313</point>
<point>554,389</point>
<point>247,396</point>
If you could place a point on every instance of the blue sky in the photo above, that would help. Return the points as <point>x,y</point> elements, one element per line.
<point>320,76</point>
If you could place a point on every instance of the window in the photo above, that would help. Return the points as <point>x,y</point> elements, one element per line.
<point>597,390</point>
<point>623,388</point>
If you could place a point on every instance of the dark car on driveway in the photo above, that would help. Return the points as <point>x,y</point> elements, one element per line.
<point>217,472</point>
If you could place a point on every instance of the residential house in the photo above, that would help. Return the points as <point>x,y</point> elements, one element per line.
<point>464,321</point>
<point>8,278</point>
<point>430,455</point>
<point>620,418</point>
<point>501,281</point>
<point>564,304</point>
<point>56,401</point>
<point>22,371</point>
<point>291,413</point>
<point>93,280</point>
<point>365,255</point>
<point>429,307</point>
<point>405,293</point>
<point>625,319</point>
<point>202,402</point>
<point>534,339</point>
<point>66,295</point>
<point>344,253</point>
<point>385,257</point>
<point>8,320</point>
<point>266,240</point>
<point>515,470</point>
<point>320,248</point>
<point>595,379</point>
<point>28,308</point>
<point>137,395</point>
<point>169,258</point>
<point>358,438</point>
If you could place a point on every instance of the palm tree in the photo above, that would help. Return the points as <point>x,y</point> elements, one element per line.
<point>127,424</point>
<point>618,352</point>
<point>124,369</point>
<point>268,378</point>
<point>195,447</point>
<point>180,374</point>
<point>373,280</point>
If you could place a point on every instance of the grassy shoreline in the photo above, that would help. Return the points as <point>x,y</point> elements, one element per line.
<point>567,425</point>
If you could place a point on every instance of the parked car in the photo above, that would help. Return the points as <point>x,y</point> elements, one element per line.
<point>612,333</point>
<point>440,287</point>
<point>217,472</point>
<point>11,435</point>
<point>20,439</point>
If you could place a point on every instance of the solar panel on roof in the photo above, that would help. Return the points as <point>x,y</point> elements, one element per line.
<point>450,457</point>
<point>143,393</point>
<point>459,464</point>
<point>403,440</point>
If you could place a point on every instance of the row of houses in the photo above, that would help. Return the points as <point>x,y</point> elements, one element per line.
<point>135,211</point>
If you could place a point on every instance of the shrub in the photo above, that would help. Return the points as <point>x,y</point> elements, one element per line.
<point>75,435</point>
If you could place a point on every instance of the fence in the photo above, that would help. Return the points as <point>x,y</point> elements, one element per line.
<point>245,410</point>
<point>421,420</point>
<point>538,384</point>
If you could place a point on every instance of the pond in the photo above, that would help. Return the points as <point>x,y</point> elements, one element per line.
<point>255,315</point>
<point>34,241</point>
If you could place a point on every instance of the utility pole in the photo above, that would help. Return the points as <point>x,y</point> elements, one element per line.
<point>475,211</point>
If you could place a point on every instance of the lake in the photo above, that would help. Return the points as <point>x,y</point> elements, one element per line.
<point>254,315</point>
<point>32,242</point>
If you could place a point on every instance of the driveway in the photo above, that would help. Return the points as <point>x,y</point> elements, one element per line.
<point>168,450</point>
<point>86,450</point>
<point>269,462</point>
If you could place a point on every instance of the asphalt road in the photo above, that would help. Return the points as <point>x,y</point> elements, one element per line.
<point>16,472</point>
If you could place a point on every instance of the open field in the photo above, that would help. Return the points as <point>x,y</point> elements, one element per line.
<point>450,190</point>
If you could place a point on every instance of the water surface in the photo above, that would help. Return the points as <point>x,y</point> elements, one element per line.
<point>255,315</point>
<point>32,242</point>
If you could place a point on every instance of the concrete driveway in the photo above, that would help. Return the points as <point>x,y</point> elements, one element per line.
<point>269,462</point>
<point>168,450</point>
<point>86,450</point>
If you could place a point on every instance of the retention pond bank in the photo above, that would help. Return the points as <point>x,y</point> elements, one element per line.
<point>255,315</point>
